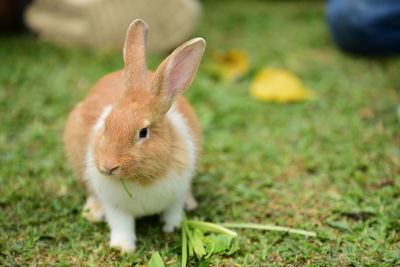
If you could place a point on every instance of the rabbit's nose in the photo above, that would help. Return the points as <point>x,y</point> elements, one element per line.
<point>109,169</point>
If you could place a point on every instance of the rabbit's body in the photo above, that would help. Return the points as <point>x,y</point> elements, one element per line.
<point>135,130</point>
<point>163,191</point>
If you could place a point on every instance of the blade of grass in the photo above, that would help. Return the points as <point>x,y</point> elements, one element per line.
<point>195,238</point>
<point>212,227</point>
<point>156,260</point>
<point>184,245</point>
<point>190,250</point>
<point>269,228</point>
<point>125,187</point>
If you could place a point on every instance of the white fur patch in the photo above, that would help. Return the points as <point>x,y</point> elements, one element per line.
<point>182,128</point>
<point>89,153</point>
<point>102,118</point>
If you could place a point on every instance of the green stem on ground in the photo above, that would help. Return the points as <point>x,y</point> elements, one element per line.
<point>212,227</point>
<point>184,245</point>
<point>269,228</point>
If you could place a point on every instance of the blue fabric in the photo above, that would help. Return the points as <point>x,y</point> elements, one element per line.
<point>365,26</point>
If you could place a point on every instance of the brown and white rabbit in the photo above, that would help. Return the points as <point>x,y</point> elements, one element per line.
<point>135,125</point>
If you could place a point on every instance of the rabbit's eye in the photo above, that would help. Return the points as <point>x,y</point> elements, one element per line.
<point>143,133</point>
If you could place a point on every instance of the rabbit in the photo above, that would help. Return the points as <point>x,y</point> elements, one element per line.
<point>134,125</point>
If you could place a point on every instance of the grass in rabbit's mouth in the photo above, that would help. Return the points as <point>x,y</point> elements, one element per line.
<point>125,187</point>
<point>330,165</point>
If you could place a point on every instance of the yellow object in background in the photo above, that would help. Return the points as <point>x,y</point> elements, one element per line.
<point>278,85</point>
<point>231,65</point>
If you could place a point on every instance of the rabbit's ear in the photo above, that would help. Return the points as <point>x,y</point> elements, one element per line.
<point>135,54</point>
<point>176,73</point>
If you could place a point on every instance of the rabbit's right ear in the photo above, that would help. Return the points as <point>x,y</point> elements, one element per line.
<point>176,73</point>
<point>135,55</point>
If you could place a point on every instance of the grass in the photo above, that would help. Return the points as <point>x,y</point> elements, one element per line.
<point>329,165</point>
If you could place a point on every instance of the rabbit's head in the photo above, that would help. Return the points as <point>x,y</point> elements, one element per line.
<point>136,138</point>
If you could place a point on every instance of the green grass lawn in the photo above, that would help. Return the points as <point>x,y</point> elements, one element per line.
<point>329,165</point>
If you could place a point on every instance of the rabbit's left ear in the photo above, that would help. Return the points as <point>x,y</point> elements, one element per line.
<point>135,55</point>
<point>176,73</point>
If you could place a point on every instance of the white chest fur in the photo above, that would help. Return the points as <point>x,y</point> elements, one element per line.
<point>145,200</point>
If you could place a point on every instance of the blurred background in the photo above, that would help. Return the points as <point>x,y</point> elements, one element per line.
<point>297,100</point>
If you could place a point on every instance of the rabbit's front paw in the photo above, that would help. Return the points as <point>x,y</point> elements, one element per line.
<point>169,227</point>
<point>93,211</point>
<point>172,218</point>
<point>125,246</point>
